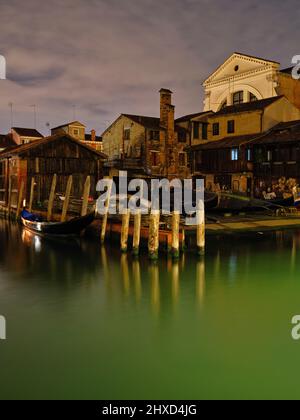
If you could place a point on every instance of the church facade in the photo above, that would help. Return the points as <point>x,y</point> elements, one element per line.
<point>242,78</point>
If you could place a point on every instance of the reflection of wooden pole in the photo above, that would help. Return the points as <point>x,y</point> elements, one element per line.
<point>183,244</point>
<point>200,280</point>
<point>51,198</point>
<point>20,199</point>
<point>67,199</point>
<point>105,216</point>
<point>153,244</point>
<point>86,194</point>
<point>125,231</point>
<point>137,232</point>
<point>175,233</point>
<point>31,194</point>
<point>155,289</point>
<point>137,279</point>
<point>201,228</point>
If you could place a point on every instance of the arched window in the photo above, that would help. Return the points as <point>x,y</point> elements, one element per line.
<point>224,104</point>
<point>238,98</point>
<point>253,98</point>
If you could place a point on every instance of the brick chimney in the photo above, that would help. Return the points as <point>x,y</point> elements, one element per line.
<point>169,152</point>
<point>167,110</point>
<point>93,135</point>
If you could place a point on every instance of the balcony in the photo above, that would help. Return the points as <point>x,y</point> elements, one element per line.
<point>125,164</point>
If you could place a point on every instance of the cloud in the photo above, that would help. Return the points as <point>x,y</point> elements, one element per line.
<point>98,58</point>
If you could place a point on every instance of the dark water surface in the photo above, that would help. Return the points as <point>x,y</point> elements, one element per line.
<point>86,322</point>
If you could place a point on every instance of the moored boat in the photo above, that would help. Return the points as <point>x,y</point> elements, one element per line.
<point>71,227</point>
<point>233,203</point>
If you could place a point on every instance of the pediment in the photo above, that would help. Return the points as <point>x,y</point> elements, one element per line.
<point>238,64</point>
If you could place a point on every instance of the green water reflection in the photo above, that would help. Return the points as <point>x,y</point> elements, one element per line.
<point>87,322</point>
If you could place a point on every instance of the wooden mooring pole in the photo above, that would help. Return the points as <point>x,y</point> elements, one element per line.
<point>125,231</point>
<point>86,194</point>
<point>20,199</point>
<point>31,194</point>
<point>175,234</point>
<point>67,199</point>
<point>51,198</point>
<point>153,243</point>
<point>137,233</point>
<point>105,216</point>
<point>201,228</point>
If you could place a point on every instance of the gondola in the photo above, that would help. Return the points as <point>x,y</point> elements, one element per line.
<point>71,227</point>
<point>234,203</point>
<point>210,200</point>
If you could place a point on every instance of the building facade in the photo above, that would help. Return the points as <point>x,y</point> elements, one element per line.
<point>60,154</point>
<point>148,146</point>
<point>78,130</point>
<point>244,78</point>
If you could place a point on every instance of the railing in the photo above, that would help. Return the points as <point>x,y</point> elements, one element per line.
<point>277,169</point>
<point>225,166</point>
<point>127,163</point>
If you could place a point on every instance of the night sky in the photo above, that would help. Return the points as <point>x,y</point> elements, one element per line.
<point>94,59</point>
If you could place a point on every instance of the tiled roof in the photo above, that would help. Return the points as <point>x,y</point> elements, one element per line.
<point>282,133</point>
<point>6,141</point>
<point>248,106</point>
<point>287,71</point>
<point>152,123</point>
<point>70,123</point>
<point>226,143</point>
<point>22,149</point>
<point>88,137</point>
<point>191,116</point>
<point>27,132</point>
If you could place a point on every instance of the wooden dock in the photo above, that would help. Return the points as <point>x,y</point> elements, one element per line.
<point>154,231</point>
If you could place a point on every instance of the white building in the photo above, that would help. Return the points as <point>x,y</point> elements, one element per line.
<point>243,78</point>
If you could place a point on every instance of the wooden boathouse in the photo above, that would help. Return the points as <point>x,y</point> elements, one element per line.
<point>39,160</point>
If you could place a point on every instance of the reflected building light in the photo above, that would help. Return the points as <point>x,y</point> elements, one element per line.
<point>155,289</point>
<point>137,279</point>
<point>200,281</point>
<point>37,244</point>
<point>293,255</point>
<point>232,266</point>
<point>217,265</point>
<point>175,283</point>
<point>125,274</point>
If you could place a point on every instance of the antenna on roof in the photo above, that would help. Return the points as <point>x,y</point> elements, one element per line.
<point>74,112</point>
<point>34,114</point>
<point>11,114</point>
<point>48,126</point>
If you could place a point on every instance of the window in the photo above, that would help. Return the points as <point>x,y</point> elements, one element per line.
<point>224,104</point>
<point>235,154</point>
<point>249,155</point>
<point>182,136</point>
<point>155,159</point>
<point>230,127</point>
<point>216,129</point>
<point>204,131</point>
<point>238,98</point>
<point>76,132</point>
<point>154,135</point>
<point>253,98</point>
<point>196,130</point>
<point>269,155</point>
<point>182,159</point>
<point>127,134</point>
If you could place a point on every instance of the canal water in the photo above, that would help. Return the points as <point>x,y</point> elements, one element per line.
<point>86,322</point>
